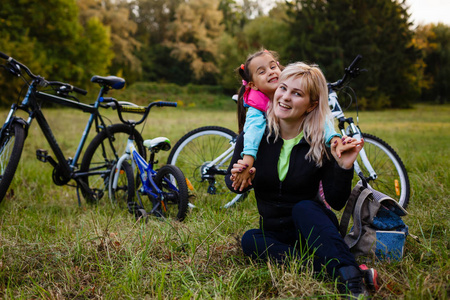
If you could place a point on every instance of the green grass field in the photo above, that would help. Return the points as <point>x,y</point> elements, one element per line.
<point>52,248</point>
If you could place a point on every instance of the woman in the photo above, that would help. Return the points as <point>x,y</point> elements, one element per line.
<point>292,160</point>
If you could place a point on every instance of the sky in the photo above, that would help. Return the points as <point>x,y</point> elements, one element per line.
<point>429,11</point>
<point>422,11</point>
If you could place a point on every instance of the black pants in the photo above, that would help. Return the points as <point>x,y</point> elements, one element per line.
<point>315,231</point>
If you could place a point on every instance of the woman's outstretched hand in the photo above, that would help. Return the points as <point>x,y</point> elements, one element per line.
<point>347,157</point>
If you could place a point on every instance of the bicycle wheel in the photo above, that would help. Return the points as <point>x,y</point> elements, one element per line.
<point>124,193</point>
<point>392,178</point>
<point>194,152</point>
<point>11,147</point>
<point>172,182</point>
<point>103,153</point>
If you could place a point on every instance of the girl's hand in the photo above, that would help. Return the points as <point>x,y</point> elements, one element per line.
<point>238,167</point>
<point>243,179</point>
<point>351,149</point>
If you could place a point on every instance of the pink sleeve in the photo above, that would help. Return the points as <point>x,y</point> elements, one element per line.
<point>256,99</point>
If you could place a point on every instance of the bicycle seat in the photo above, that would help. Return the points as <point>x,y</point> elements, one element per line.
<point>159,143</point>
<point>113,82</point>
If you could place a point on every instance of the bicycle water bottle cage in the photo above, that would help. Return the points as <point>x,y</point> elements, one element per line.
<point>159,143</point>
<point>113,82</point>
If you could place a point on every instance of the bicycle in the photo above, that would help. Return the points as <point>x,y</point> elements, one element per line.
<point>204,154</point>
<point>166,188</point>
<point>14,132</point>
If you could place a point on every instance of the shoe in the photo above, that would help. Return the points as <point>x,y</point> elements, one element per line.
<point>351,282</point>
<point>370,277</point>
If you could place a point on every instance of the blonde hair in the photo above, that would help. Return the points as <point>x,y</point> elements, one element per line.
<point>312,82</point>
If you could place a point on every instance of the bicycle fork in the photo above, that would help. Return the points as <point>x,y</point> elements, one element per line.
<point>354,132</point>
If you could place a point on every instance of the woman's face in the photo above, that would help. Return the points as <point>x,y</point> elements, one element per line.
<point>291,102</point>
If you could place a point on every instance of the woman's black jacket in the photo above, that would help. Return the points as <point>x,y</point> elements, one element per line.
<point>276,199</point>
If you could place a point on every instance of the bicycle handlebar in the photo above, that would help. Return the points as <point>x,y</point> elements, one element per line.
<point>351,71</point>
<point>15,67</point>
<point>355,62</point>
<point>4,56</point>
<point>123,106</point>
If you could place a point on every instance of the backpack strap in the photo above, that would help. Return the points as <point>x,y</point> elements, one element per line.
<point>357,224</point>
<point>345,219</point>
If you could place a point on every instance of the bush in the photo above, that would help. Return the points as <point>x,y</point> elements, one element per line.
<point>189,96</point>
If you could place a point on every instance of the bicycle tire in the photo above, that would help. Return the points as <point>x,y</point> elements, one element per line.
<point>389,168</point>
<point>191,154</point>
<point>99,157</point>
<point>124,193</point>
<point>175,201</point>
<point>11,147</point>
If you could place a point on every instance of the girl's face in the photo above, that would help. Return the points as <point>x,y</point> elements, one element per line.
<point>265,72</point>
<point>291,101</point>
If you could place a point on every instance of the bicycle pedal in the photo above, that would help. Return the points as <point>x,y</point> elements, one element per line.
<point>42,155</point>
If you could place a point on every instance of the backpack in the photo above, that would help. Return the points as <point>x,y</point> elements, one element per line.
<point>378,230</point>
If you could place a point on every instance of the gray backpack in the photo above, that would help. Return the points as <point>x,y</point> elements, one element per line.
<point>378,230</point>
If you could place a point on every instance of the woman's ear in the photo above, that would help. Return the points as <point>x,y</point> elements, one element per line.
<point>312,106</point>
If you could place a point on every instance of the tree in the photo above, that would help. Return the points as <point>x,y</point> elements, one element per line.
<point>267,32</point>
<point>153,18</point>
<point>437,60</point>
<point>193,37</point>
<point>228,59</point>
<point>116,15</point>
<point>48,37</point>
<point>333,32</point>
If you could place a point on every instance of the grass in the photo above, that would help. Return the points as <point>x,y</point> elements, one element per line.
<point>52,248</point>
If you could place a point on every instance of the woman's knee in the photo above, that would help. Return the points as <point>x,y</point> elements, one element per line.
<point>249,241</point>
<point>304,208</point>
<point>309,213</point>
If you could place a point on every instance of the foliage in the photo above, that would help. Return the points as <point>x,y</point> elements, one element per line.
<point>202,42</point>
<point>266,32</point>
<point>188,96</point>
<point>153,18</point>
<point>116,15</point>
<point>436,53</point>
<point>332,33</point>
<point>193,36</point>
<point>48,37</point>
<point>228,59</point>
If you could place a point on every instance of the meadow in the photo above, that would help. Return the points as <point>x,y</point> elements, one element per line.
<point>53,248</point>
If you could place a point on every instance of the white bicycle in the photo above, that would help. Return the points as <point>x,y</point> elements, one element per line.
<point>204,154</point>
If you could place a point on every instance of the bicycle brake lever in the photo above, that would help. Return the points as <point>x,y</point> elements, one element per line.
<point>41,81</point>
<point>13,68</point>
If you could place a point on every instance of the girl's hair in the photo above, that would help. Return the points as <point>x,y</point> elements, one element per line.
<point>244,71</point>
<point>312,82</point>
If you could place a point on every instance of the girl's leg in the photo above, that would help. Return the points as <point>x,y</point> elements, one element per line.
<point>319,226</point>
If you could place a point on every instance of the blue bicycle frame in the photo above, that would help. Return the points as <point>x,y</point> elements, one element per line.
<point>146,173</point>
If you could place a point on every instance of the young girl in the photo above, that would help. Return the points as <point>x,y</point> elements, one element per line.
<point>259,81</point>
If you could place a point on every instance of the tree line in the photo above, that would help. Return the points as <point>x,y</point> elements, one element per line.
<point>204,41</point>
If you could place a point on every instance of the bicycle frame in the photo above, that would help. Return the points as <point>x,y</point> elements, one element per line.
<point>146,172</point>
<point>352,130</point>
<point>67,167</point>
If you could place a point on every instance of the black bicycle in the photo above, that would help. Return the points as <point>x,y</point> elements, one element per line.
<point>92,176</point>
